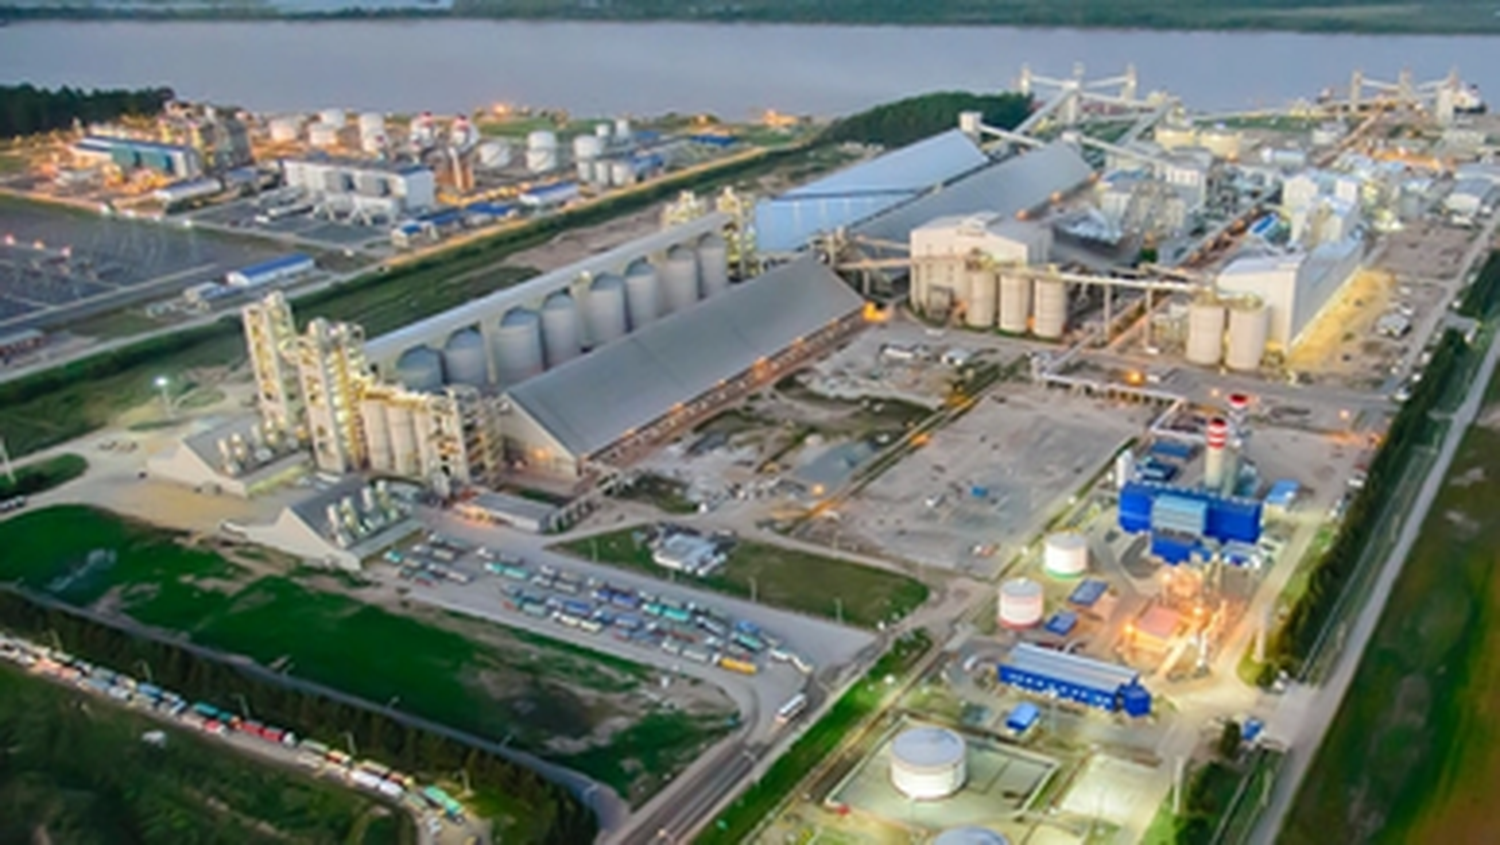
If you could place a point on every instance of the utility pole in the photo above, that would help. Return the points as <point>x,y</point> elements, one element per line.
<point>244,705</point>
<point>838,609</point>
<point>753,589</point>
<point>146,667</point>
<point>1178,773</point>
<point>10,471</point>
<point>349,738</point>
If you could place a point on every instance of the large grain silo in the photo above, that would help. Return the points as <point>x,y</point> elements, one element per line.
<point>604,310</point>
<point>929,763</point>
<point>420,369</point>
<point>518,346</point>
<point>642,294</point>
<point>285,130</point>
<point>465,359</point>
<point>1051,309</point>
<point>560,330</point>
<point>406,458</point>
<point>979,313</point>
<point>1021,603</point>
<point>1015,302</point>
<point>970,836</point>
<point>377,433</point>
<point>1249,325</point>
<point>713,265</point>
<point>541,151</point>
<point>1066,554</point>
<point>323,136</point>
<point>332,117</point>
<point>679,279</point>
<point>1205,340</point>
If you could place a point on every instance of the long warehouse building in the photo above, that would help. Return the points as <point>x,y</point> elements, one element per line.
<point>1092,683</point>
<point>648,384</point>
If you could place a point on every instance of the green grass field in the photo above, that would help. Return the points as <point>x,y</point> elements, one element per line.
<point>1414,753</point>
<point>781,577</point>
<point>39,476</point>
<point>74,770</point>
<point>473,676</point>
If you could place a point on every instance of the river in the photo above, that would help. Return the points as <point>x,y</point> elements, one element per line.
<point>729,70</point>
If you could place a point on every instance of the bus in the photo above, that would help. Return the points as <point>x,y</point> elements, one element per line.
<point>791,709</point>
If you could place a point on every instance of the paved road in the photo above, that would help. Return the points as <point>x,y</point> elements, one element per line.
<point>1322,707</point>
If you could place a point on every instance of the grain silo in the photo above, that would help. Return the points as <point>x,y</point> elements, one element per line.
<point>642,295</point>
<point>377,433</point>
<point>928,763</point>
<point>1248,327</point>
<point>518,346</point>
<point>604,310</point>
<point>979,313</point>
<point>1015,302</point>
<point>1051,309</point>
<point>1205,339</point>
<point>405,454</point>
<point>465,359</point>
<point>1066,555</point>
<point>1021,603</point>
<point>560,330</point>
<point>679,279</point>
<point>713,265</point>
<point>420,369</point>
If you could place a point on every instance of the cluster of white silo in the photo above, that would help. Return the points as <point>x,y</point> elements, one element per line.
<point>541,151</point>
<point>391,436</point>
<point>1232,333</point>
<point>372,132</point>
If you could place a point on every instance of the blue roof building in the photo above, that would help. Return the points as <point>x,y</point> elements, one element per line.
<point>270,271</point>
<point>1093,683</point>
<point>1022,717</point>
<point>1283,494</point>
<point>1189,512</point>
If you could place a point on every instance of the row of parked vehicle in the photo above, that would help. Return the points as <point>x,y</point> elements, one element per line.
<point>365,774</point>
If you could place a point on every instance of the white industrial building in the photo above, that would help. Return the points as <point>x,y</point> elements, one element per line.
<point>1294,287</point>
<point>367,188</point>
<point>1471,198</point>
<point>644,385</point>
<point>958,264</point>
<point>272,271</point>
<point>338,527</point>
<point>237,458</point>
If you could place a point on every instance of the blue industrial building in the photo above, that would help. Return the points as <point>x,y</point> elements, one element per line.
<point>1094,683</point>
<point>273,270</point>
<point>1181,519</point>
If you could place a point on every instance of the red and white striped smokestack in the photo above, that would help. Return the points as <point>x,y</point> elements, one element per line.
<point>1213,460</point>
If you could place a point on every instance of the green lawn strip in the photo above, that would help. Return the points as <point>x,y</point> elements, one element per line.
<point>779,576</point>
<point>39,476</point>
<point>645,756</point>
<point>75,766</point>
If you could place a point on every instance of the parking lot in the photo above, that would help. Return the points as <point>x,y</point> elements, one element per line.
<point>245,216</point>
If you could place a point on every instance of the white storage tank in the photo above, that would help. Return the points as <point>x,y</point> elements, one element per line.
<point>332,117</point>
<point>621,173</point>
<point>979,312</point>
<point>518,346</point>
<point>541,151</point>
<point>1015,303</point>
<point>1021,603</point>
<point>1222,142</point>
<point>679,279</point>
<point>285,130</point>
<point>587,170</point>
<point>493,155</point>
<point>970,836</point>
<point>465,360</point>
<point>560,333</point>
<point>929,763</point>
<point>713,264</point>
<point>402,422</point>
<point>1205,340</point>
<point>371,123</point>
<point>642,295</point>
<point>377,433</point>
<point>372,145</point>
<point>605,310</point>
<point>587,147</point>
<point>602,131</point>
<point>1249,325</point>
<point>1051,309</point>
<point>322,135</point>
<point>420,369</point>
<point>1066,555</point>
<point>623,132</point>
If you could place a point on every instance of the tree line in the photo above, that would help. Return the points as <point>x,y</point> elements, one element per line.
<point>550,810</point>
<point>914,118</point>
<point>27,110</point>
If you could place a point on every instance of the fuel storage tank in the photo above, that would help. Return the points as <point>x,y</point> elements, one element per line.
<point>679,279</point>
<point>928,763</point>
<point>1205,340</point>
<point>979,313</point>
<point>1066,555</point>
<point>322,135</point>
<point>713,265</point>
<point>541,151</point>
<point>1021,603</point>
<point>604,310</point>
<point>642,295</point>
<point>1248,328</point>
<point>1051,309</point>
<point>1015,302</point>
<point>420,369</point>
<point>518,346</point>
<point>285,130</point>
<point>560,331</point>
<point>332,117</point>
<point>465,360</point>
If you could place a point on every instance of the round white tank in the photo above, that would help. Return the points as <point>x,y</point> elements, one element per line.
<point>970,836</point>
<point>679,279</point>
<point>371,123</point>
<point>1222,142</point>
<point>602,131</point>
<point>322,135</point>
<point>518,345</point>
<point>494,155</point>
<point>541,139</point>
<point>541,160</point>
<point>285,130</point>
<point>587,170</point>
<point>929,763</point>
<point>642,295</point>
<point>420,369</point>
<point>1066,555</point>
<point>332,117</point>
<point>465,360</point>
<point>605,310</point>
<point>1205,340</point>
<point>377,433</point>
<point>372,144</point>
<point>979,311</point>
<point>405,457</point>
<point>713,264</point>
<point>1248,327</point>
<point>1021,603</point>
<point>560,332</point>
<point>587,147</point>
<point>623,131</point>
<point>1015,302</point>
<point>621,173</point>
<point>1051,309</point>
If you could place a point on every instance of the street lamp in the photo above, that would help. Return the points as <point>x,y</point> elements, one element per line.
<point>162,383</point>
